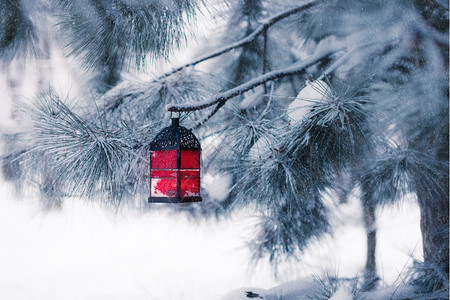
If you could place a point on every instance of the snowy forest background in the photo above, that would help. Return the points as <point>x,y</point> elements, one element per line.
<point>317,119</point>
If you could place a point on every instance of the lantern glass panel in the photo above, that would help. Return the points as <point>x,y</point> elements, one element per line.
<point>164,159</point>
<point>189,187</point>
<point>190,159</point>
<point>164,187</point>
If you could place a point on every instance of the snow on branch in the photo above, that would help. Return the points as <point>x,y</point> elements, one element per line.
<point>248,39</point>
<point>221,98</point>
<point>225,96</point>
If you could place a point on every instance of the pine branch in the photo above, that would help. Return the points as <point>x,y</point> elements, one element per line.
<point>111,33</point>
<point>299,67</point>
<point>18,34</point>
<point>225,96</point>
<point>80,156</point>
<point>143,102</point>
<point>248,39</point>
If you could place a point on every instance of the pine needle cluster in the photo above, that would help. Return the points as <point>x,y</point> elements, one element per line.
<point>118,30</point>
<point>83,156</point>
<point>18,33</point>
<point>429,280</point>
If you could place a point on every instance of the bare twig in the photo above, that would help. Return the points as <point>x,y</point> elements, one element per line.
<point>246,40</point>
<point>344,58</point>
<point>209,116</point>
<point>11,157</point>
<point>264,62</point>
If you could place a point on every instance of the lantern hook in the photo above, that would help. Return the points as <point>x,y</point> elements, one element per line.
<point>178,117</point>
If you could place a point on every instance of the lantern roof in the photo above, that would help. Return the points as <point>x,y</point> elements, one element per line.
<point>175,137</point>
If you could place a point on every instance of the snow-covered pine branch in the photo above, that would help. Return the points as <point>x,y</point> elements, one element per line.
<point>140,29</point>
<point>82,157</point>
<point>270,76</point>
<point>265,24</point>
<point>323,51</point>
<point>21,26</point>
<point>143,102</point>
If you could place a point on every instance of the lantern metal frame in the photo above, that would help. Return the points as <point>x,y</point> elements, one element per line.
<point>175,137</point>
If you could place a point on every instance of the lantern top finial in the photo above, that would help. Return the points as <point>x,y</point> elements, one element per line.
<point>175,137</point>
<point>175,122</point>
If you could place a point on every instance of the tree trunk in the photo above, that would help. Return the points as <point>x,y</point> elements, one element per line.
<point>343,188</point>
<point>434,200</point>
<point>370,271</point>
<point>434,222</point>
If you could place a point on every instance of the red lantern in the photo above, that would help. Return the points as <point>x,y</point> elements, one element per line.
<point>175,166</point>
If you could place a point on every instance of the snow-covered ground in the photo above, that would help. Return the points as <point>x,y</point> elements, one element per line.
<point>89,252</point>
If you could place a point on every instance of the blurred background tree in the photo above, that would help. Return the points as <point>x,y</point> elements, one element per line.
<point>295,101</point>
